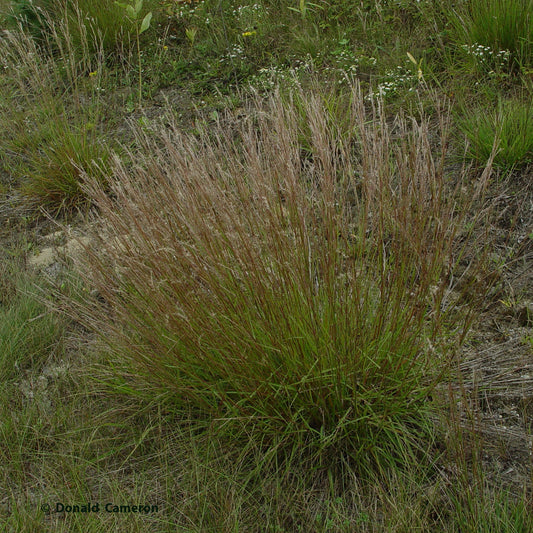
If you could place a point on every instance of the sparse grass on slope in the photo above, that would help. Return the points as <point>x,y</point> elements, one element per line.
<point>29,332</point>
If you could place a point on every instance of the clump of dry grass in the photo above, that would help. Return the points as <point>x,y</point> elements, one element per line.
<point>52,114</point>
<point>294,298</point>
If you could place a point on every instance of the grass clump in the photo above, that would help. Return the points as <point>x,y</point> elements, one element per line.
<point>31,15</point>
<point>55,169</point>
<point>53,116</point>
<point>509,129</point>
<point>283,295</point>
<point>501,25</point>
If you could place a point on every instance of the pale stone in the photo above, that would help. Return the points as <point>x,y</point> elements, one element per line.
<point>72,249</point>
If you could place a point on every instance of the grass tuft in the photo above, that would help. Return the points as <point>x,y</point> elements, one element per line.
<point>509,129</point>
<point>285,295</point>
<point>56,169</point>
<point>500,25</point>
<point>52,116</point>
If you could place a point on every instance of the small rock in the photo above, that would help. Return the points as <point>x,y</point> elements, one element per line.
<point>50,255</point>
<point>43,259</point>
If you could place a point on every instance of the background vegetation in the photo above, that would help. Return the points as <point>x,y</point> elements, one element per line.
<point>290,236</point>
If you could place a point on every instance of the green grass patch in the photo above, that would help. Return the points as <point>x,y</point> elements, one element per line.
<point>53,118</point>
<point>91,24</point>
<point>508,130</point>
<point>500,25</point>
<point>29,332</point>
<point>57,167</point>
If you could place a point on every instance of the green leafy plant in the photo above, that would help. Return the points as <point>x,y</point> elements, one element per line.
<point>191,34</point>
<point>508,129</point>
<point>133,12</point>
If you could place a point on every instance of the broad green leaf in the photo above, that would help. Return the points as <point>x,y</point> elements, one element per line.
<point>122,5</point>
<point>145,24</point>
<point>131,12</point>
<point>138,7</point>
